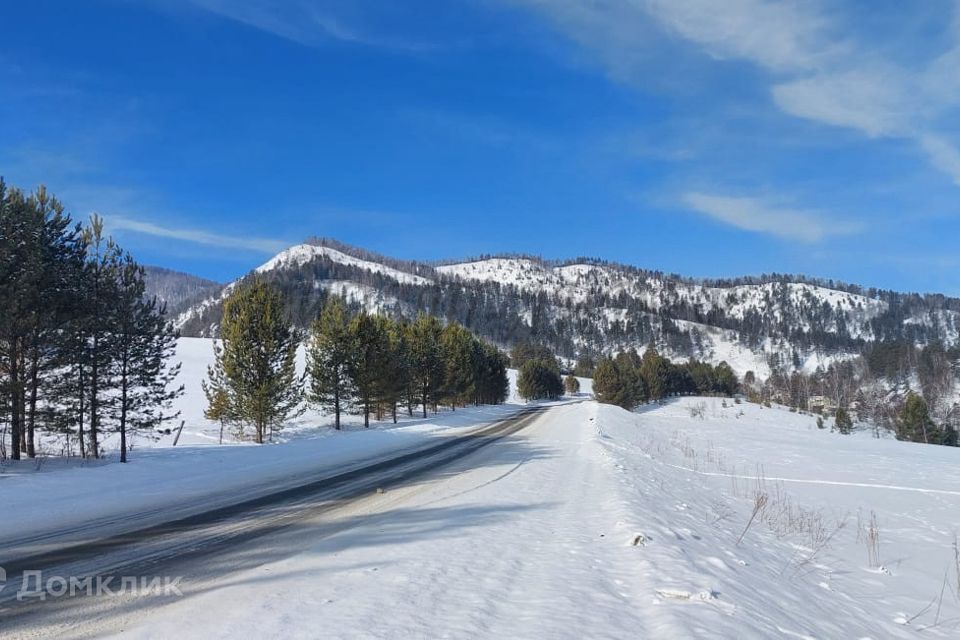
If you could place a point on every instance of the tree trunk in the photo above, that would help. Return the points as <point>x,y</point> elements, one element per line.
<point>336,407</point>
<point>32,412</point>
<point>424,402</point>
<point>22,400</point>
<point>94,408</point>
<point>394,413</point>
<point>366,413</point>
<point>15,424</point>
<point>123,415</point>
<point>80,399</point>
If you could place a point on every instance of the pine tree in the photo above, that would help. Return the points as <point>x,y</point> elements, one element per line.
<point>371,349</point>
<point>457,346</point>
<point>218,399</point>
<point>571,385</point>
<point>635,388</point>
<point>39,252</point>
<point>843,421</point>
<point>329,360</point>
<point>142,343</point>
<point>493,384</point>
<point>619,381</point>
<point>397,378</point>
<point>427,367</point>
<point>915,424</point>
<point>255,362</point>
<point>538,380</point>
<point>101,290</point>
<point>655,371</point>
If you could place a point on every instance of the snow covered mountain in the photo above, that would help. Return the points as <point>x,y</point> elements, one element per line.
<point>177,289</point>
<point>589,306</point>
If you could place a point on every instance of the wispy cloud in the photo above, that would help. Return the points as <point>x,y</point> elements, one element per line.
<point>249,243</point>
<point>817,70</point>
<point>753,214</point>
<point>782,36</point>
<point>305,22</point>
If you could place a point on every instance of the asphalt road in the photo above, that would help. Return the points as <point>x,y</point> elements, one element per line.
<point>206,547</point>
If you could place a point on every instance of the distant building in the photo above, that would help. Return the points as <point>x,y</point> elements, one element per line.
<point>821,404</point>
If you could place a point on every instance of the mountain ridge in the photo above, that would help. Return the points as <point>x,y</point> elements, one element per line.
<point>593,306</point>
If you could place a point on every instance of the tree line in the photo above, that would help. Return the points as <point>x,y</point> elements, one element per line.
<point>897,386</point>
<point>629,380</point>
<point>83,352</point>
<point>356,362</point>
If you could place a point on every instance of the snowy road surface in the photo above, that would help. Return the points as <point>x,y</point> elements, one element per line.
<point>590,522</point>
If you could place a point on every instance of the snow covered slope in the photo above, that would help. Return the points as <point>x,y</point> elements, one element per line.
<point>303,253</point>
<point>590,306</point>
<point>595,522</point>
<point>578,282</point>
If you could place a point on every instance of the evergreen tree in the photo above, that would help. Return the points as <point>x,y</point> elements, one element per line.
<point>397,378</point>
<point>915,424</point>
<point>655,370</point>
<point>523,352</point>
<point>371,344</point>
<point>618,381</point>
<point>142,343</point>
<point>101,290</point>
<point>843,421</point>
<point>726,382</point>
<point>329,360</point>
<point>539,380</point>
<point>629,369</point>
<point>493,385</point>
<point>427,366</point>
<point>218,399</point>
<point>457,349</point>
<point>571,385</point>
<point>608,386</point>
<point>255,362</point>
<point>40,253</point>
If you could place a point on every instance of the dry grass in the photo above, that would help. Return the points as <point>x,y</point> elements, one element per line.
<point>868,533</point>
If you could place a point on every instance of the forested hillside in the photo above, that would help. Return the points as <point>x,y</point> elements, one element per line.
<point>588,306</point>
<point>177,289</point>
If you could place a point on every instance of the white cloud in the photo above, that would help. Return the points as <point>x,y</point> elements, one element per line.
<point>873,103</point>
<point>752,214</point>
<point>261,245</point>
<point>943,155</point>
<point>303,22</point>
<point>776,35</point>
<point>818,70</point>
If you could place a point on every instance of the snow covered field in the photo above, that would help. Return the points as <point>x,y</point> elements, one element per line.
<point>698,518</point>
<point>595,522</point>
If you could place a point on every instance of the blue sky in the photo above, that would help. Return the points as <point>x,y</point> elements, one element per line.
<point>704,138</point>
